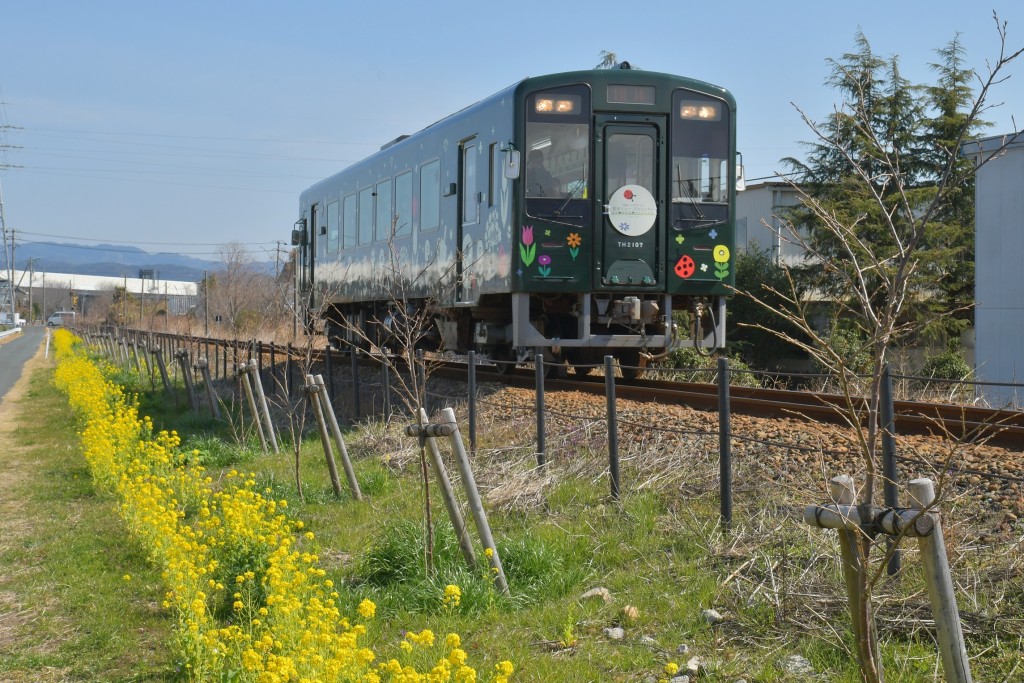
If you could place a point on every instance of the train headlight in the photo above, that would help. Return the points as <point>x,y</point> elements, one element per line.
<point>557,104</point>
<point>702,111</point>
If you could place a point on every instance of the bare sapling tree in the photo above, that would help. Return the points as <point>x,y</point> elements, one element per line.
<point>399,332</point>
<point>869,251</point>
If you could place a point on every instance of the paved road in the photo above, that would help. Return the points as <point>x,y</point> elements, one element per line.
<point>15,352</point>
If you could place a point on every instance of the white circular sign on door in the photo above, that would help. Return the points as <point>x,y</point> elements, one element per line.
<point>632,210</point>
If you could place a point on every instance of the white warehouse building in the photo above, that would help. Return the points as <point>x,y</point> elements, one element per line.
<point>999,269</point>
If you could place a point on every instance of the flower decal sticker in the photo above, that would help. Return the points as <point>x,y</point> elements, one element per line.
<point>544,265</point>
<point>721,254</point>
<point>527,250</point>
<point>574,241</point>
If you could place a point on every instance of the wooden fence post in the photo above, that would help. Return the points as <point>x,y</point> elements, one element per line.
<point>955,663</point>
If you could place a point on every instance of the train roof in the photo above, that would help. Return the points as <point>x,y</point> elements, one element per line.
<point>591,76</point>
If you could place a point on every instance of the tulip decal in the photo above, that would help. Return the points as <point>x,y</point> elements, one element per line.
<point>527,250</point>
<point>721,254</point>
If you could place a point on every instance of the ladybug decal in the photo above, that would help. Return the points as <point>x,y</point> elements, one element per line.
<point>685,266</point>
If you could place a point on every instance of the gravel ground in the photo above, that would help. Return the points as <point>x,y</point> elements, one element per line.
<point>676,445</point>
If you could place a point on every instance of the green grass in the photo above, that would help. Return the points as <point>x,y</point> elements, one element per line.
<point>659,553</point>
<point>69,613</point>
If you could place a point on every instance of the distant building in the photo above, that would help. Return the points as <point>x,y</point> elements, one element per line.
<point>999,269</point>
<point>757,211</point>
<point>82,293</point>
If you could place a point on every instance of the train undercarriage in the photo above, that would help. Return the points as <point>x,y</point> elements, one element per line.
<point>571,329</point>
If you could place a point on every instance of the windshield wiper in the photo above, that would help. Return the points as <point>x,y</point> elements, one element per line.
<point>565,202</point>
<point>684,193</point>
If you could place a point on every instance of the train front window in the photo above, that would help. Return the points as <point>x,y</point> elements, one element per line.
<point>699,175</point>
<point>557,147</point>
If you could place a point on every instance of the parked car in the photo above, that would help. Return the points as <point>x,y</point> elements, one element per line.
<point>61,318</point>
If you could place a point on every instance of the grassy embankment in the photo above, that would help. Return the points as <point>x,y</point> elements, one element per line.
<point>659,554</point>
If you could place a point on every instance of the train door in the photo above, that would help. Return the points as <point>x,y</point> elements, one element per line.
<point>307,254</point>
<point>631,210</point>
<point>468,212</point>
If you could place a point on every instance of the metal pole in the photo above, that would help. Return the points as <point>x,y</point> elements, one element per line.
<point>889,471</point>
<point>386,373</point>
<point>355,385</point>
<point>538,380</point>
<point>472,402</point>
<point>613,425</point>
<point>724,442</point>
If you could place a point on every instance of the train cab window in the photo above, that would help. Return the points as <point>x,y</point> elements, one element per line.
<point>557,147</point>
<point>430,195</point>
<point>383,217</point>
<point>349,226</point>
<point>403,204</point>
<point>700,149</point>
<point>332,227</point>
<point>470,206</point>
<point>366,215</point>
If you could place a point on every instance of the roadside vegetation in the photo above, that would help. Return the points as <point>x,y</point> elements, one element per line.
<point>634,590</point>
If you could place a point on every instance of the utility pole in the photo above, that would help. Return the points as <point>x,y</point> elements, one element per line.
<point>10,263</point>
<point>206,300</point>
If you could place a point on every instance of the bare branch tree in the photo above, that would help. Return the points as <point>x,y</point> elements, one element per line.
<point>875,286</point>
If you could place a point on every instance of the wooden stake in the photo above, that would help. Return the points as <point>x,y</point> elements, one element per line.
<point>955,663</point>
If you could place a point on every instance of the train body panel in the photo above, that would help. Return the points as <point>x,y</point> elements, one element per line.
<point>572,212</point>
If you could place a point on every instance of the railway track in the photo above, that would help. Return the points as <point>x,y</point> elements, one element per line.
<point>966,423</point>
<point>998,427</point>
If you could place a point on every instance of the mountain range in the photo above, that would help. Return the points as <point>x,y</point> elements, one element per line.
<point>112,260</point>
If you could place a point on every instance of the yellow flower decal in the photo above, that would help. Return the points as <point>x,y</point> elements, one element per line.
<point>721,253</point>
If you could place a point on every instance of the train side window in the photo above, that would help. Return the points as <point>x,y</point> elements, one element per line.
<point>366,215</point>
<point>383,217</point>
<point>430,195</point>
<point>403,204</point>
<point>332,227</point>
<point>470,206</point>
<point>349,227</point>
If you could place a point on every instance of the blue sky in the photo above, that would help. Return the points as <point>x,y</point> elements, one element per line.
<point>180,126</point>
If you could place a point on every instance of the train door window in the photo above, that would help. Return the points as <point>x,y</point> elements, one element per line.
<point>493,164</point>
<point>366,215</point>
<point>349,226</point>
<point>630,161</point>
<point>333,226</point>
<point>403,204</point>
<point>430,195</point>
<point>470,204</point>
<point>383,217</point>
